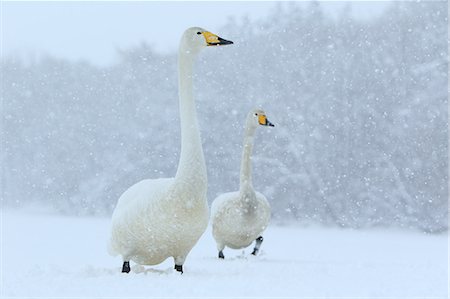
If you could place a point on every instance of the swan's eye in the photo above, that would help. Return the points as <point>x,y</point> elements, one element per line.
<point>199,33</point>
<point>256,114</point>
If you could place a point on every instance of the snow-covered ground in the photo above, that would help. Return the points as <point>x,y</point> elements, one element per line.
<point>55,256</point>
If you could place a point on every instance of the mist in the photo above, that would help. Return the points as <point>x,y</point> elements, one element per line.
<point>359,107</point>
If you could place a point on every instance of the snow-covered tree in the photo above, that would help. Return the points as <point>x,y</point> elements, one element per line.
<point>360,109</point>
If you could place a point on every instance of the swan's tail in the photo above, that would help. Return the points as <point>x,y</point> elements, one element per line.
<point>112,250</point>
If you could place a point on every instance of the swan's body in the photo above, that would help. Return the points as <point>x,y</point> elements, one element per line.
<point>236,223</point>
<point>239,218</point>
<point>157,219</point>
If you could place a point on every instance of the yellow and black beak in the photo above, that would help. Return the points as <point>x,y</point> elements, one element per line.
<point>262,119</point>
<point>214,40</point>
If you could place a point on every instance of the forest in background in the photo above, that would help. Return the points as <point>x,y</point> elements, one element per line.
<point>360,112</point>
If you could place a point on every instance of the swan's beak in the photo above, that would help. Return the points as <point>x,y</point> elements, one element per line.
<point>262,119</point>
<point>214,40</point>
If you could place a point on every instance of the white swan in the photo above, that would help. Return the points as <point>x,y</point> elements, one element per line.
<point>157,219</point>
<point>240,217</point>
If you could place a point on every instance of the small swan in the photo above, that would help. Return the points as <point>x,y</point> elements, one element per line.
<point>240,217</point>
<point>157,219</point>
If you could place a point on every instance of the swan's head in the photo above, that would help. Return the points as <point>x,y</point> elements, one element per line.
<point>258,117</point>
<point>195,38</point>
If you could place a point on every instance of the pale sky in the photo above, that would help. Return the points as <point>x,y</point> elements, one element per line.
<point>94,30</point>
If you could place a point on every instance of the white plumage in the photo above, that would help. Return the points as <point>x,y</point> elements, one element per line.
<point>157,219</point>
<point>239,218</point>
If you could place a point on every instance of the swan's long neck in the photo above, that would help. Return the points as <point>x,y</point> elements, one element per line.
<point>246,185</point>
<point>191,168</point>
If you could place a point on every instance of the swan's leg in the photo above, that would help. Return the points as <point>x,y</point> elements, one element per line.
<point>126,267</point>
<point>179,268</point>
<point>221,247</point>
<point>257,245</point>
<point>179,261</point>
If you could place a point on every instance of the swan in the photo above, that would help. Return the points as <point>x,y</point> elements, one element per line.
<point>238,218</point>
<point>160,218</point>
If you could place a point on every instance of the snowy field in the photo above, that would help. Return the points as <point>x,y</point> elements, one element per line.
<point>55,256</point>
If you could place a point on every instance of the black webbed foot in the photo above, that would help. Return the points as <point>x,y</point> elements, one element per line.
<point>179,268</point>
<point>259,240</point>
<point>126,267</point>
<point>221,256</point>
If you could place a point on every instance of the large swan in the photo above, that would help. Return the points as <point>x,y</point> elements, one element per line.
<point>162,218</point>
<point>239,218</point>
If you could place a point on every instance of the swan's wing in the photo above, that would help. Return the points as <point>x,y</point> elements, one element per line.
<point>221,200</point>
<point>262,199</point>
<point>143,191</point>
<point>265,206</point>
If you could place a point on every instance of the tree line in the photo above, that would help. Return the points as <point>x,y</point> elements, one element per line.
<point>360,108</point>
